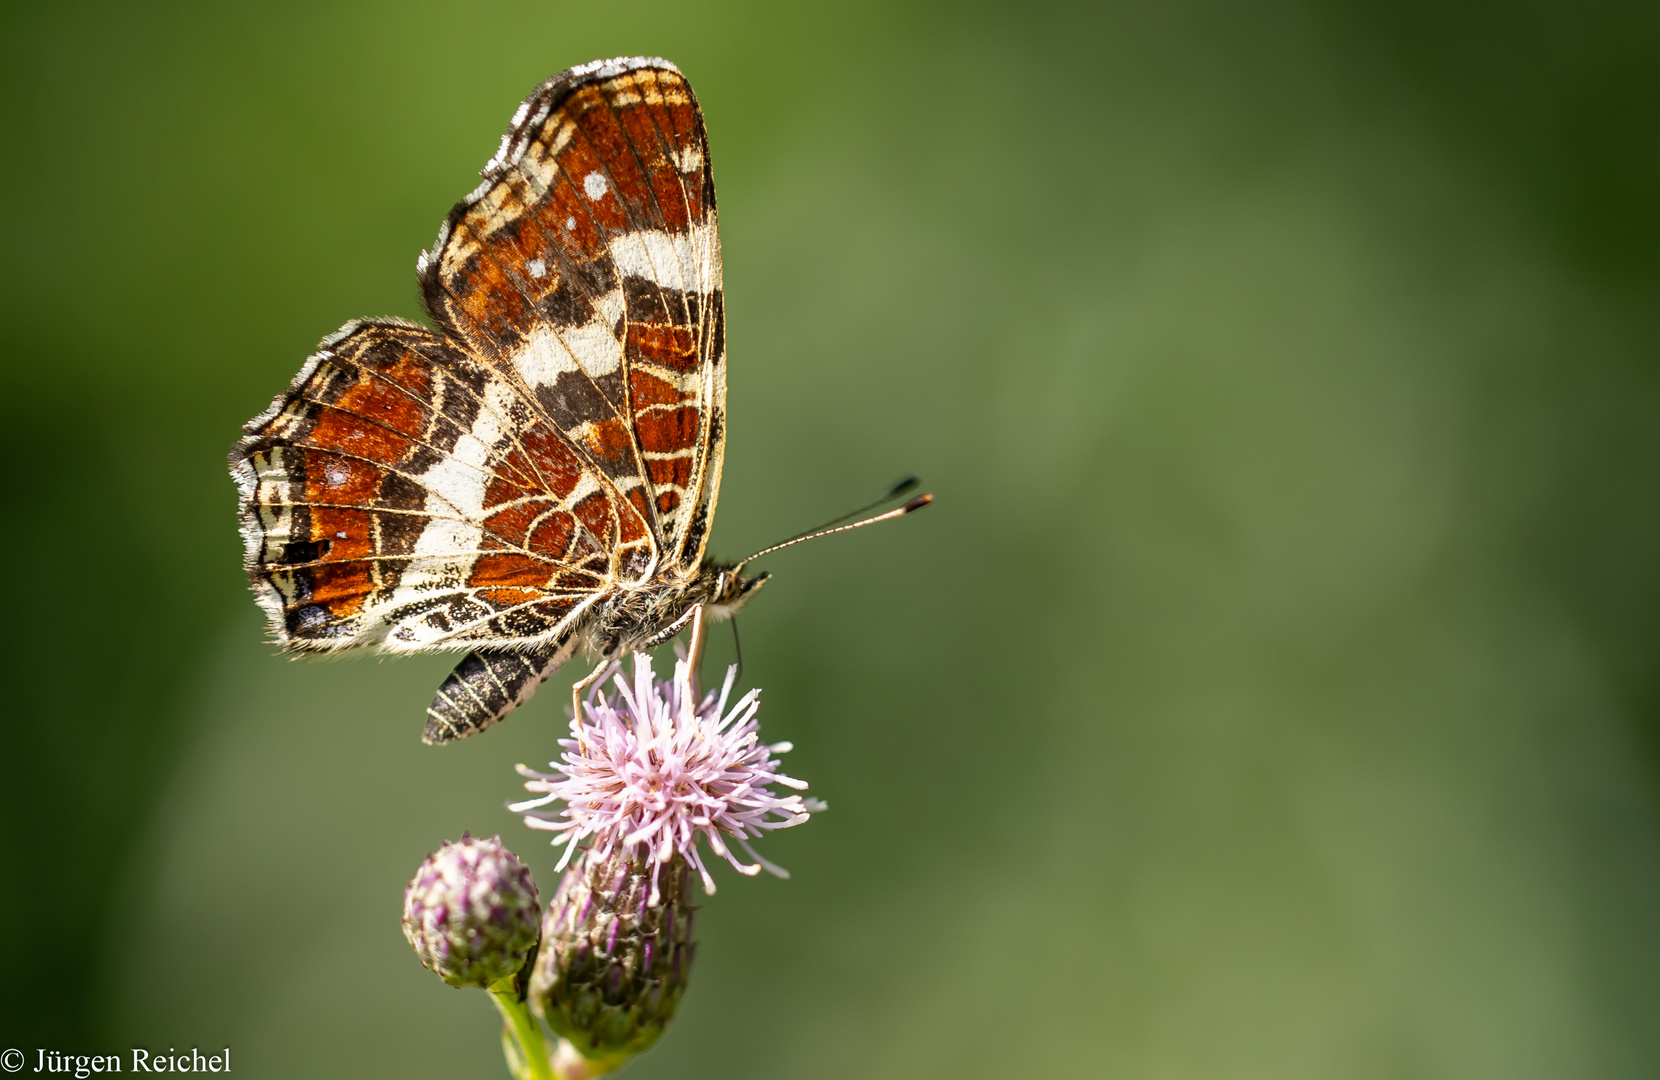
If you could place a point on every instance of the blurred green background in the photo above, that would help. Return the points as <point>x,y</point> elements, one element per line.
<point>1273,691</point>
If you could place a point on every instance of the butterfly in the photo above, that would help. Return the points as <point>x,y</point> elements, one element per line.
<point>538,473</point>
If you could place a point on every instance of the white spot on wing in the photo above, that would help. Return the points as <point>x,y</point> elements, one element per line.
<point>543,358</point>
<point>611,307</point>
<point>596,347</point>
<point>455,489</point>
<point>689,160</point>
<point>676,260</point>
<point>537,268</point>
<point>274,494</point>
<point>594,185</point>
<point>592,347</point>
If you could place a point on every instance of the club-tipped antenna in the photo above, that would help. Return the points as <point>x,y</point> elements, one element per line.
<point>892,493</point>
<point>904,486</point>
<point>824,530</point>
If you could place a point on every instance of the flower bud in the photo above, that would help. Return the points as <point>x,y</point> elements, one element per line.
<point>613,964</point>
<point>471,912</point>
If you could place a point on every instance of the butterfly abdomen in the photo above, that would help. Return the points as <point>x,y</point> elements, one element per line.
<point>486,686</point>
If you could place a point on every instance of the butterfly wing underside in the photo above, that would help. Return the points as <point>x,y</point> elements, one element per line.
<point>557,440</point>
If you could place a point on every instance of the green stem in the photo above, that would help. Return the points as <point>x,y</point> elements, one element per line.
<point>569,1064</point>
<point>518,1020</point>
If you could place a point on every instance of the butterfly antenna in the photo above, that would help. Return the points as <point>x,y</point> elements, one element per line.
<point>904,487</point>
<point>826,530</point>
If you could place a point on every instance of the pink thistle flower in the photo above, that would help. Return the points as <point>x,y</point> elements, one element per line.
<point>650,769</point>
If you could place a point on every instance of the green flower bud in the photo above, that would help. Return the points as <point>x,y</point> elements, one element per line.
<point>613,964</point>
<point>471,912</point>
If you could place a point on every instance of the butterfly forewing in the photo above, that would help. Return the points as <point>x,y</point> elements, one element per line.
<point>557,439</point>
<point>587,267</point>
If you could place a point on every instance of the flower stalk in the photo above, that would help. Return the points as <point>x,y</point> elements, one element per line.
<point>521,1039</point>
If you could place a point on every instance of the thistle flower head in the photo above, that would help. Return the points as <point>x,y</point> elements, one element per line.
<point>472,912</point>
<point>652,769</point>
<point>613,967</point>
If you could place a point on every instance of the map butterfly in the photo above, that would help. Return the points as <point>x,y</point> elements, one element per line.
<point>538,474</point>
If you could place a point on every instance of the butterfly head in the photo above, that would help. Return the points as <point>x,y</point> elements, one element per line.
<point>729,589</point>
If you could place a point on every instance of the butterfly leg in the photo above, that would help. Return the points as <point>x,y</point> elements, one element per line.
<point>694,652</point>
<point>581,686</point>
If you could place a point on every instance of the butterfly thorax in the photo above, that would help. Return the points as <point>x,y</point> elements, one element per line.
<point>653,611</point>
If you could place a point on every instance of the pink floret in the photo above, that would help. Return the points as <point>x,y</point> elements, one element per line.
<point>645,768</point>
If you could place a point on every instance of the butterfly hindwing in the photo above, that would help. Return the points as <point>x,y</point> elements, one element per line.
<point>399,495</point>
